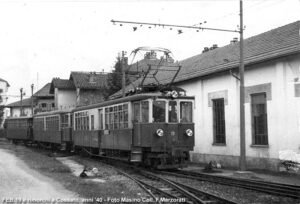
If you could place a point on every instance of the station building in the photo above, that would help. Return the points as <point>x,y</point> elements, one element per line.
<point>272,98</point>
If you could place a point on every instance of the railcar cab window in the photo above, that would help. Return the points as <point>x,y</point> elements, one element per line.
<point>159,111</point>
<point>141,112</point>
<point>186,112</point>
<point>173,116</point>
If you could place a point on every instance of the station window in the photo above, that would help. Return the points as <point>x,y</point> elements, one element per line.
<point>82,121</point>
<point>186,112</point>
<point>173,116</point>
<point>259,119</point>
<point>116,117</point>
<point>219,121</point>
<point>159,111</point>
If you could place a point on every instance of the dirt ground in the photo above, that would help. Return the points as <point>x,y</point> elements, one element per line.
<point>39,175</point>
<point>19,182</point>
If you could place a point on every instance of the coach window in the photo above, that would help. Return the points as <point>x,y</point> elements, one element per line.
<point>92,122</point>
<point>186,112</point>
<point>159,111</point>
<point>173,118</point>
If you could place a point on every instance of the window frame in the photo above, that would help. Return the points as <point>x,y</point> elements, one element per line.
<point>253,126</point>
<point>219,138</point>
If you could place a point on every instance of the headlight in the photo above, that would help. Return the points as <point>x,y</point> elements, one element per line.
<point>174,94</point>
<point>189,132</point>
<point>160,132</point>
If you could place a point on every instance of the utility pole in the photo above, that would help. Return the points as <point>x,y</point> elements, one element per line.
<point>21,92</point>
<point>123,72</point>
<point>242,95</point>
<point>32,85</point>
<point>242,162</point>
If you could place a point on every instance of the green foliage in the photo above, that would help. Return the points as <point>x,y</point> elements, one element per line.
<point>114,79</point>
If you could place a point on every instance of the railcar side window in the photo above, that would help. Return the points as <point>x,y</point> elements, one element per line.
<point>136,112</point>
<point>186,112</point>
<point>125,109</point>
<point>92,122</point>
<point>116,117</point>
<point>141,112</point>
<point>173,118</point>
<point>52,123</point>
<point>65,121</point>
<point>38,123</point>
<point>159,111</point>
<point>82,121</point>
<point>145,111</point>
<point>106,118</point>
<point>101,119</point>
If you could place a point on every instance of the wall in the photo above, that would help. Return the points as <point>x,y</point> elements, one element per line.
<point>48,101</point>
<point>87,97</point>
<point>16,111</point>
<point>3,91</point>
<point>283,109</point>
<point>65,99</point>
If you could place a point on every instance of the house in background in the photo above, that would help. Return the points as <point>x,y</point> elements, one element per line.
<point>3,98</point>
<point>44,100</point>
<point>90,87</point>
<point>19,108</point>
<point>82,88</point>
<point>64,93</point>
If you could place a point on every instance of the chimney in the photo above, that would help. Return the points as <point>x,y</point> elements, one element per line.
<point>92,77</point>
<point>206,49</point>
<point>234,40</point>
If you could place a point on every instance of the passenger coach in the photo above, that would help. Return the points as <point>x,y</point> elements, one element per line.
<point>53,128</point>
<point>19,129</point>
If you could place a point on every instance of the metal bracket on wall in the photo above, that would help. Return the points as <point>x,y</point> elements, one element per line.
<point>235,76</point>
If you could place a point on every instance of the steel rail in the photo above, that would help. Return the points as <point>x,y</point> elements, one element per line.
<point>286,190</point>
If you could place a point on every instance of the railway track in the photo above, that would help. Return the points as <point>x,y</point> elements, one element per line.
<point>278,189</point>
<point>163,190</point>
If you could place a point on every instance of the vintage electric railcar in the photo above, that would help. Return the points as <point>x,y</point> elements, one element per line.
<point>155,129</point>
<point>19,129</point>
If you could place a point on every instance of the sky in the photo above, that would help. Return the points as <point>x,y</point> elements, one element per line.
<point>43,39</point>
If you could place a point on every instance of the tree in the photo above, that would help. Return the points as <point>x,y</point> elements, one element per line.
<point>114,79</point>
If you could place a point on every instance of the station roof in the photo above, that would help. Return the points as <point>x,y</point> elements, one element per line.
<point>5,82</point>
<point>25,103</point>
<point>44,92</point>
<point>61,84</point>
<point>89,80</point>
